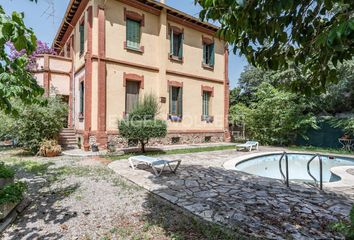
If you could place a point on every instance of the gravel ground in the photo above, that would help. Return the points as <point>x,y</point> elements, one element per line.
<point>81,198</point>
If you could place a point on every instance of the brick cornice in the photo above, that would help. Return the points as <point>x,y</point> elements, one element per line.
<point>126,63</point>
<point>128,14</point>
<point>197,77</point>
<point>133,77</point>
<point>139,5</point>
<point>175,83</point>
<point>190,25</point>
<point>207,89</point>
<point>207,40</point>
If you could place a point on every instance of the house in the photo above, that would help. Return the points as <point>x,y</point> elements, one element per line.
<point>120,50</point>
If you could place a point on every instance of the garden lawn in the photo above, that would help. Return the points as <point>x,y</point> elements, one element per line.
<point>174,151</point>
<point>320,150</point>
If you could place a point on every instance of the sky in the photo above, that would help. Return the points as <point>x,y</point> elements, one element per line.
<point>44,18</point>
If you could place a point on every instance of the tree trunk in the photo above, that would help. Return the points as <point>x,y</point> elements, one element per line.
<point>142,146</point>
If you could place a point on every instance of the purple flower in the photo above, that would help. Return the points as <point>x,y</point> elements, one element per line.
<point>42,48</point>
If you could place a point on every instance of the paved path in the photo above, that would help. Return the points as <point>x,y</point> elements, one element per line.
<point>254,205</point>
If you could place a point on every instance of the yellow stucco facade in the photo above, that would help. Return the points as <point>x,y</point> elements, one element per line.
<point>106,65</point>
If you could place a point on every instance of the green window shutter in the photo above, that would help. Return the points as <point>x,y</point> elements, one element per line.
<point>180,102</point>
<point>212,54</point>
<point>133,34</point>
<point>82,38</point>
<point>171,41</point>
<point>180,52</point>
<point>204,52</point>
<point>170,100</point>
<point>82,89</point>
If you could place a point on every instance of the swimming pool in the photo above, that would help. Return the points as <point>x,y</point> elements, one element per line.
<point>268,166</point>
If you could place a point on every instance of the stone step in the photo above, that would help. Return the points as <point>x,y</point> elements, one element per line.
<point>67,138</point>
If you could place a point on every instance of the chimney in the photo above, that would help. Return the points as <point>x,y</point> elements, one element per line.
<point>162,1</point>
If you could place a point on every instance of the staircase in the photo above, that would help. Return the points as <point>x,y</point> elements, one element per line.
<point>67,138</point>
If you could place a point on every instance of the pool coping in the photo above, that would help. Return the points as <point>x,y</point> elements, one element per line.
<point>346,179</point>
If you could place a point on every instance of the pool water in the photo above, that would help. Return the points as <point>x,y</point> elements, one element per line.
<point>268,166</point>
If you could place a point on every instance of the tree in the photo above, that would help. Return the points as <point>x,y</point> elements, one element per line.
<point>275,117</point>
<point>15,79</point>
<point>309,36</point>
<point>142,124</point>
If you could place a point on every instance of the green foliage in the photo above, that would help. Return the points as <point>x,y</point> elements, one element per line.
<point>12,193</point>
<point>6,171</point>
<point>48,147</point>
<point>35,122</point>
<point>16,82</point>
<point>146,109</point>
<point>347,124</point>
<point>142,130</point>
<point>346,228</point>
<point>316,35</point>
<point>141,124</point>
<point>275,117</point>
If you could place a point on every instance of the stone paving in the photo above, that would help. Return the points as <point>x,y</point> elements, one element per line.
<point>255,206</point>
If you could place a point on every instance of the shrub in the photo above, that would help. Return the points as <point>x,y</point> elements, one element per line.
<point>6,171</point>
<point>49,148</point>
<point>141,124</point>
<point>346,228</point>
<point>12,193</point>
<point>35,122</point>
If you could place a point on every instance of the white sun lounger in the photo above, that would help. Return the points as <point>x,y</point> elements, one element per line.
<point>153,162</point>
<point>248,145</point>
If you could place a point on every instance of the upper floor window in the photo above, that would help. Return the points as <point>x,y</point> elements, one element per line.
<point>133,34</point>
<point>208,54</point>
<point>82,37</point>
<point>176,43</point>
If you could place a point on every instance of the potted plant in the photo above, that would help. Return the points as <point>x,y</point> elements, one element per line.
<point>10,196</point>
<point>94,147</point>
<point>175,118</point>
<point>6,175</point>
<point>111,147</point>
<point>49,148</point>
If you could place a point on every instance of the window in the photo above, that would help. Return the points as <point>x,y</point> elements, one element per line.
<point>176,101</point>
<point>176,44</point>
<point>82,37</point>
<point>206,104</point>
<point>131,95</point>
<point>133,34</point>
<point>82,94</point>
<point>68,50</point>
<point>208,54</point>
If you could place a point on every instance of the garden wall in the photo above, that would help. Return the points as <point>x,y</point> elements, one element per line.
<point>326,136</point>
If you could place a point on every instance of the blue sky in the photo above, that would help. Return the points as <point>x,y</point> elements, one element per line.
<point>45,22</point>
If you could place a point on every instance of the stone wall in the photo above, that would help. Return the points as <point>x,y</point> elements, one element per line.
<point>170,139</point>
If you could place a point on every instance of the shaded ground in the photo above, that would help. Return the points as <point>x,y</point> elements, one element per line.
<point>255,206</point>
<point>78,198</point>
